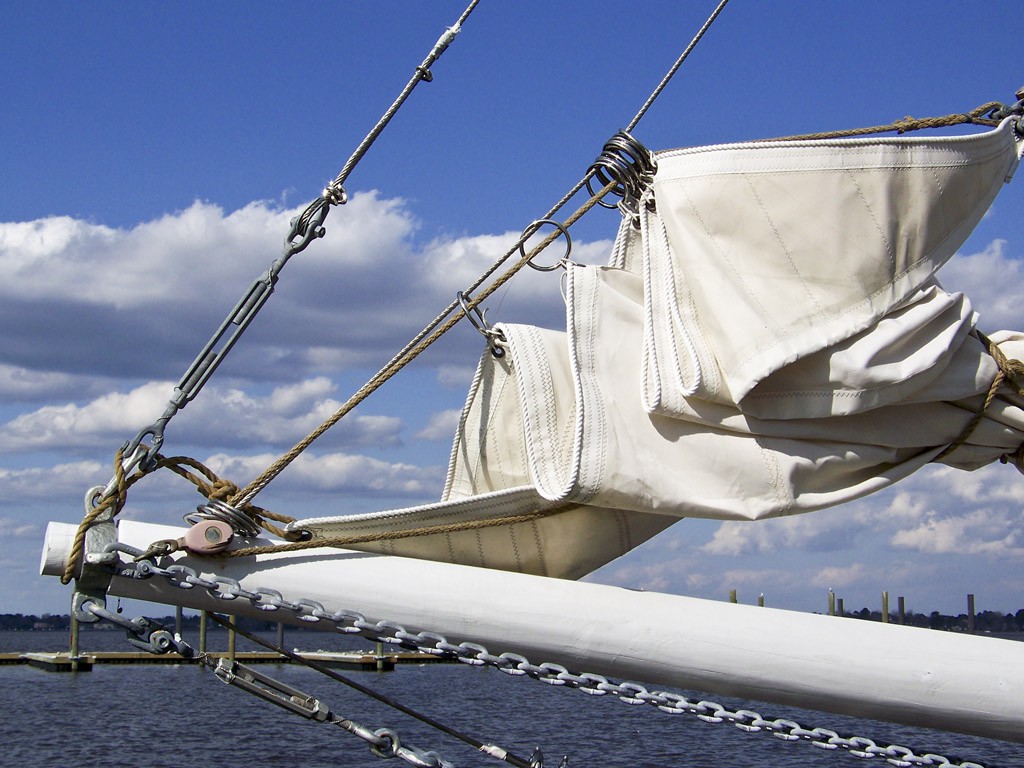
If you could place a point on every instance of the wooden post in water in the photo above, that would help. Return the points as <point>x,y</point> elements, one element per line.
<point>380,656</point>
<point>885,607</point>
<point>280,635</point>
<point>202,631</point>
<point>732,595</point>
<point>73,647</point>
<point>177,621</point>
<point>970,614</point>
<point>901,607</point>
<point>231,638</point>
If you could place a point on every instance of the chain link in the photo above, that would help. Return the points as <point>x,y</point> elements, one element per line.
<point>353,623</point>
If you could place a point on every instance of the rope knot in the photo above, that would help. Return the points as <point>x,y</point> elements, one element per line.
<point>222,490</point>
<point>1014,371</point>
<point>908,123</point>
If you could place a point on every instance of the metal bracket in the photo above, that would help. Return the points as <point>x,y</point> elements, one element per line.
<point>94,578</point>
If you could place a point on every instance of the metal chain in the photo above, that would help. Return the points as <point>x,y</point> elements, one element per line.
<point>353,623</point>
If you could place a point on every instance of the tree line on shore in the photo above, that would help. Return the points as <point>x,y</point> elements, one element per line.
<point>49,622</point>
<point>984,621</point>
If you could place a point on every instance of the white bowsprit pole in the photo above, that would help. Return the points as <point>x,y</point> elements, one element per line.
<point>921,677</point>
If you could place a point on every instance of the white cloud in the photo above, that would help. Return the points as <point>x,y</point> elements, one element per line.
<point>22,385</point>
<point>939,509</point>
<point>995,533</point>
<point>51,483</point>
<point>839,577</point>
<point>460,376</point>
<point>223,416</point>
<point>993,281</point>
<point>13,529</point>
<point>441,426</point>
<point>69,425</point>
<point>138,303</point>
<point>818,531</point>
<point>335,473</point>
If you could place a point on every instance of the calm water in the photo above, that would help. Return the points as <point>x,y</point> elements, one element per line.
<point>157,716</point>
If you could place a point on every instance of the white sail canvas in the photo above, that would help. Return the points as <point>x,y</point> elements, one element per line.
<point>770,340</point>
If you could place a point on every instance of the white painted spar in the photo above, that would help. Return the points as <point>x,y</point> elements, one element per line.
<point>902,674</point>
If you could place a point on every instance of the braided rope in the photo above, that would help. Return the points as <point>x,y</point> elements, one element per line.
<point>907,124</point>
<point>1008,371</point>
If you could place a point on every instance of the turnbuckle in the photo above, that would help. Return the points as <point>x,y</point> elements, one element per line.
<point>269,689</point>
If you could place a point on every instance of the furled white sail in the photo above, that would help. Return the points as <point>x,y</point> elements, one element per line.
<point>768,338</point>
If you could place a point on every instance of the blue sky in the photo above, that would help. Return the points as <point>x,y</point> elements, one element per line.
<point>152,155</point>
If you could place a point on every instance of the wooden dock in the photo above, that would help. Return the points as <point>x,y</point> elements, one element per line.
<point>64,662</point>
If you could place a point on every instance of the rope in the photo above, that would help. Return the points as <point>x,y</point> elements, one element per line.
<point>212,487</point>
<point>425,338</point>
<point>1008,371</point>
<point>430,530</point>
<point>975,116</point>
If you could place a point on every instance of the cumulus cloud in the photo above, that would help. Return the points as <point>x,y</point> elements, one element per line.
<point>13,529</point>
<point>49,483</point>
<point>22,385</point>
<point>975,532</point>
<point>939,509</point>
<point>139,302</point>
<point>839,577</point>
<point>223,416</point>
<point>460,376</point>
<point>441,426</point>
<point>336,473</point>
<point>815,531</point>
<point>993,280</point>
<point>69,425</point>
